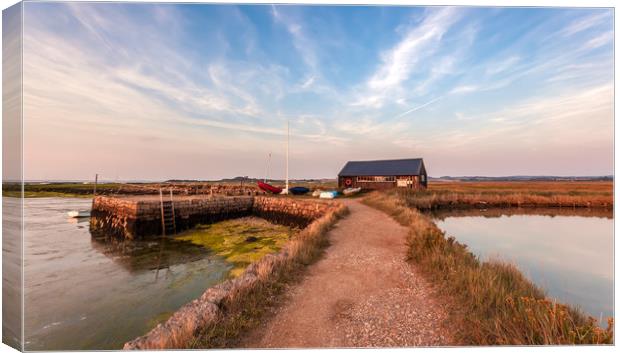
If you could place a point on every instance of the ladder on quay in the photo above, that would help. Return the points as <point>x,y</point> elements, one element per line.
<point>168,222</point>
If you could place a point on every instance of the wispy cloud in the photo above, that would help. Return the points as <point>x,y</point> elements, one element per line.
<point>464,89</point>
<point>417,108</point>
<point>502,65</point>
<point>301,40</point>
<point>583,23</point>
<point>599,40</point>
<point>398,63</point>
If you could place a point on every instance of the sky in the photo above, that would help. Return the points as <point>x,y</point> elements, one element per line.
<point>191,91</point>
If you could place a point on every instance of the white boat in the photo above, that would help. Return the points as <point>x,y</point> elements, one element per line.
<point>316,193</point>
<point>328,194</point>
<point>78,214</point>
<point>351,191</point>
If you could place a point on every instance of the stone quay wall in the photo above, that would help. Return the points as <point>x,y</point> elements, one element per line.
<point>114,216</point>
<point>136,217</point>
<point>213,306</point>
<point>289,211</point>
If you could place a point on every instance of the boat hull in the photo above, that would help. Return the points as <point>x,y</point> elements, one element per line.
<point>269,188</point>
<point>78,214</point>
<point>298,190</point>
<point>351,191</point>
<point>328,194</point>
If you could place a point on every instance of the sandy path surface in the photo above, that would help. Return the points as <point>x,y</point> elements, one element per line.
<point>361,293</point>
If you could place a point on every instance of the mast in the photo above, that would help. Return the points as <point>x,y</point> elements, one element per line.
<point>268,167</point>
<point>285,191</point>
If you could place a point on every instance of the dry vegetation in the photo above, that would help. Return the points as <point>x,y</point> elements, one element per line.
<point>595,194</point>
<point>493,302</point>
<point>244,311</point>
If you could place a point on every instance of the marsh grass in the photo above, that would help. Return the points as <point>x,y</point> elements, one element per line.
<point>494,304</point>
<point>78,190</point>
<point>35,194</point>
<point>595,194</point>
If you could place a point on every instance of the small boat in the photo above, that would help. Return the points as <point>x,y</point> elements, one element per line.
<point>316,193</point>
<point>351,191</point>
<point>269,188</point>
<point>298,190</point>
<point>78,214</point>
<point>328,194</point>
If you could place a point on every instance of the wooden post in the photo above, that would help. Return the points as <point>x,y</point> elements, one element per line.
<point>96,178</point>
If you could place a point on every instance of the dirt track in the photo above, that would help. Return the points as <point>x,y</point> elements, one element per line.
<point>361,293</point>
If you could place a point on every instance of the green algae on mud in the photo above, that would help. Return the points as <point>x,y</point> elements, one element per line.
<point>240,241</point>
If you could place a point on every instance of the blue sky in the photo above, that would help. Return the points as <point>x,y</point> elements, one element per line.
<point>158,91</point>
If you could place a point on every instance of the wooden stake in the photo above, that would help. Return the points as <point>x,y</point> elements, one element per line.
<point>96,178</point>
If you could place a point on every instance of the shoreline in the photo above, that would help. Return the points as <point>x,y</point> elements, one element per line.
<point>495,303</point>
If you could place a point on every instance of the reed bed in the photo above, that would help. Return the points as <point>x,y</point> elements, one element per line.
<point>595,194</point>
<point>493,303</point>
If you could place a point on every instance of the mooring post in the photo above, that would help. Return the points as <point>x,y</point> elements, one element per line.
<point>95,190</point>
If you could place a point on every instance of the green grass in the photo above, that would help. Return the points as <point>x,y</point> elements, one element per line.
<point>240,241</point>
<point>493,303</point>
<point>55,189</point>
<point>35,194</point>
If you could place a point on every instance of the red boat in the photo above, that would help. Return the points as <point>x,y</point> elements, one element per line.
<point>269,188</point>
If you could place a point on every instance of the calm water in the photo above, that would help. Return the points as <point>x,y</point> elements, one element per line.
<point>570,256</point>
<point>87,293</point>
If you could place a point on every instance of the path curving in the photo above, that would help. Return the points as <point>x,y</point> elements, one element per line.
<point>361,293</point>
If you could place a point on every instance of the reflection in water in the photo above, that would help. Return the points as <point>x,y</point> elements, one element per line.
<point>97,293</point>
<point>516,211</point>
<point>569,256</point>
<point>148,255</point>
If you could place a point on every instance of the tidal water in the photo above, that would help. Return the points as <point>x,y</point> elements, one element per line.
<point>96,293</point>
<point>570,255</point>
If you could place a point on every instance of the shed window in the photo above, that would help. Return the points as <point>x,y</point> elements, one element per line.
<point>376,179</point>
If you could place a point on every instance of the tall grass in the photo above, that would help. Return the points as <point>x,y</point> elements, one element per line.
<point>494,304</point>
<point>511,194</point>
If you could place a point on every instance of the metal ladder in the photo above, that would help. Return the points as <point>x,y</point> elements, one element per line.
<point>168,223</point>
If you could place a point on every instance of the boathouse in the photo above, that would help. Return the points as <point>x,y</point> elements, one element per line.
<point>384,174</point>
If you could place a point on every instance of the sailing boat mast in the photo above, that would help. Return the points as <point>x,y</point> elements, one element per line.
<point>285,191</point>
<point>268,167</point>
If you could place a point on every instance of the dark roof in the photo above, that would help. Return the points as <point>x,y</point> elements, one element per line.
<point>411,166</point>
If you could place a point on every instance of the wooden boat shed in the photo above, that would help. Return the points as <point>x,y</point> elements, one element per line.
<point>384,174</point>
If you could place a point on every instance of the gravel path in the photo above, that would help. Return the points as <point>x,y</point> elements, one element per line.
<point>361,293</point>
